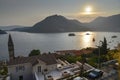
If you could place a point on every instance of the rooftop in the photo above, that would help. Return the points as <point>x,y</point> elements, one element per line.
<point>64,70</point>
<point>47,58</point>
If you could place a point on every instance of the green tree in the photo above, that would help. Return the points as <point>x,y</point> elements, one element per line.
<point>104,48</point>
<point>3,70</point>
<point>34,52</point>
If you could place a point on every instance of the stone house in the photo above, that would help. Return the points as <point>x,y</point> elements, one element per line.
<point>25,68</point>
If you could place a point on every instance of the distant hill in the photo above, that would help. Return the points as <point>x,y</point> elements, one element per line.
<point>7,28</point>
<point>111,23</point>
<point>55,24</point>
<point>19,29</point>
<point>2,32</point>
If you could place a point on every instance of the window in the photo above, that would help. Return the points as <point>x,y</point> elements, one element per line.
<point>17,69</point>
<point>39,68</point>
<point>20,68</point>
<point>20,77</point>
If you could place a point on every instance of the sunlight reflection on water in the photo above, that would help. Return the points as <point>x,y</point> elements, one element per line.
<point>86,39</point>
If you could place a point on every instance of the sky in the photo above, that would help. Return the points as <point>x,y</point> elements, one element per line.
<point>29,12</point>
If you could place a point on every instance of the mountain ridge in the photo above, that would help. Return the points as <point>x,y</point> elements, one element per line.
<point>2,32</point>
<point>58,23</point>
<point>8,28</point>
<point>110,23</point>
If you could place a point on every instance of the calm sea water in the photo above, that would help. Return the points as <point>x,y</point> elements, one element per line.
<point>25,42</point>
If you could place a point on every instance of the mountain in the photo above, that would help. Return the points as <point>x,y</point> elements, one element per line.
<point>2,32</point>
<point>111,23</point>
<point>19,29</point>
<point>7,28</point>
<point>55,24</point>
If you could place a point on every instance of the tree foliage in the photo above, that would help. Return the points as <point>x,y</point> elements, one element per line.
<point>34,52</point>
<point>3,70</point>
<point>103,48</point>
<point>70,58</point>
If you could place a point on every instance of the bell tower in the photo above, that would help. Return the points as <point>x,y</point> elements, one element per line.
<point>11,48</point>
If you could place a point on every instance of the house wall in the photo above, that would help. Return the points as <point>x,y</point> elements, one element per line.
<point>26,73</point>
<point>44,66</point>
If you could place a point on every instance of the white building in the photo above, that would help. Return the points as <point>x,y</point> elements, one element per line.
<point>25,68</point>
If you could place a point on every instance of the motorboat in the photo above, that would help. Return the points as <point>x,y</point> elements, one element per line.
<point>71,34</point>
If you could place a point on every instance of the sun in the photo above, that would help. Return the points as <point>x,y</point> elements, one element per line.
<point>88,10</point>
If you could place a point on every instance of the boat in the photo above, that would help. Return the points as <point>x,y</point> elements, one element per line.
<point>71,34</point>
<point>93,39</point>
<point>87,33</point>
<point>114,36</point>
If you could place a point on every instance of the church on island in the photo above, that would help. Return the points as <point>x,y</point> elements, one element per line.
<point>26,68</point>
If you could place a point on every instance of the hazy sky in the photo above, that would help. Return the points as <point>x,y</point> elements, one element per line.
<point>28,12</point>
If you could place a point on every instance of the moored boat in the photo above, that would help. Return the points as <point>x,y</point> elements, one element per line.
<point>71,34</point>
<point>114,36</point>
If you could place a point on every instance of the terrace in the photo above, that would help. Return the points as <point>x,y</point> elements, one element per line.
<point>66,70</point>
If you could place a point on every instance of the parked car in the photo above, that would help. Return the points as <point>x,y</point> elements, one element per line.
<point>95,73</point>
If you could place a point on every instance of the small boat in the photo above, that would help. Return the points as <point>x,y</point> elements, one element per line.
<point>87,33</point>
<point>114,36</point>
<point>71,34</point>
<point>93,39</point>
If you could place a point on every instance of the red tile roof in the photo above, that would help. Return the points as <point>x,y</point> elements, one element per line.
<point>47,58</point>
<point>75,52</point>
